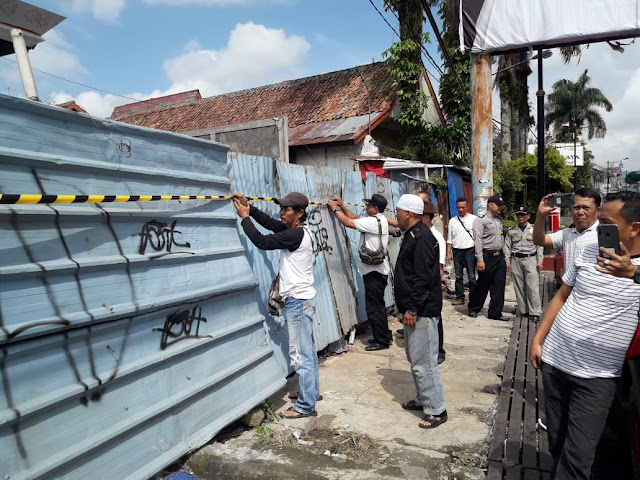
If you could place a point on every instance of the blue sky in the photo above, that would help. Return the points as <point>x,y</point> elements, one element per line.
<point>148,48</point>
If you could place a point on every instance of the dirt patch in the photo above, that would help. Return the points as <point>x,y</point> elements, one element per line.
<point>322,440</point>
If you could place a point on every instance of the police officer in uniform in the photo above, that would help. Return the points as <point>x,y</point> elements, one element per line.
<point>492,269</point>
<point>524,260</point>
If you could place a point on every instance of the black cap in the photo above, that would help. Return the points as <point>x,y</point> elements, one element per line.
<point>376,200</point>
<point>522,210</point>
<point>496,199</point>
<point>293,199</point>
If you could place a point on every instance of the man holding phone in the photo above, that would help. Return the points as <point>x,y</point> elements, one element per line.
<point>581,342</point>
<point>584,213</point>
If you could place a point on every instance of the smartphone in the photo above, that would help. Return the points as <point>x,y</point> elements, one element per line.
<point>563,200</point>
<point>608,238</point>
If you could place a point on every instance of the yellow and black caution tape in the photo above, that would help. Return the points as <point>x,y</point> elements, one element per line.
<point>34,199</point>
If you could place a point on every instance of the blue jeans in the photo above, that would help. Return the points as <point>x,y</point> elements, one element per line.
<point>421,347</point>
<point>464,259</point>
<point>302,350</point>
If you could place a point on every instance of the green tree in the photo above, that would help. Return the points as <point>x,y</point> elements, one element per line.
<point>448,143</point>
<point>516,180</point>
<point>576,103</point>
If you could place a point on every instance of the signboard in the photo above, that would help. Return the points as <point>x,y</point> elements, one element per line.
<point>567,151</point>
<point>502,25</point>
<point>33,21</point>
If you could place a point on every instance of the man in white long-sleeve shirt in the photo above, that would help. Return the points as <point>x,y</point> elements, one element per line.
<point>460,248</point>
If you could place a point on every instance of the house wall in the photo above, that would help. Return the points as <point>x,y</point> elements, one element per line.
<point>431,113</point>
<point>338,156</point>
<point>268,138</point>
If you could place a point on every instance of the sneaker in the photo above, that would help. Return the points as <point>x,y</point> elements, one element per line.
<point>459,301</point>
<point>542,423</point>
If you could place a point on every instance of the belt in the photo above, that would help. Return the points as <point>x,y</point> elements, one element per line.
<point>494,253</point>
<point>524,255</point>
<point>463,249</point>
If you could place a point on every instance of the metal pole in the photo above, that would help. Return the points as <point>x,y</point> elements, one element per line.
<point>575,168</point>
<point>481,133</point>
<point>24,65</point>
<point>608,172</point>
<point>541,152</point>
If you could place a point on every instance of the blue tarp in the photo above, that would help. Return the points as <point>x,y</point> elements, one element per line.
<point>456,189</point>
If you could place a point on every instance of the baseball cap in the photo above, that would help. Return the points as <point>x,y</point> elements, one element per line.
<point>376,200</point>
<point>522,210</point>
<point>293,199</point>
<point>496,199</point>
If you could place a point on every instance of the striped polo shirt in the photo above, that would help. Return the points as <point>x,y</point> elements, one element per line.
<point>592,332</point>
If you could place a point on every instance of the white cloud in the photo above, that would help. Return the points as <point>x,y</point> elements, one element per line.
<point>56,56</point>
<point>253,54</point>
<point>103,10</point>
<point>93,102</point>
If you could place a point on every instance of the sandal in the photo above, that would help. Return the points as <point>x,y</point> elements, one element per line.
<point>297,414</point>
<point>411,405</point>
<point>434,420</point>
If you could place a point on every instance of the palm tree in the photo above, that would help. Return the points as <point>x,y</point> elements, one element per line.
<point>578,104</point>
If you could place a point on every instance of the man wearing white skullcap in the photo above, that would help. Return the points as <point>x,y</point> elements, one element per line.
<point>418,297</point>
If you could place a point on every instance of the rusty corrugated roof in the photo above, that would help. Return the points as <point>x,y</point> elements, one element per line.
<point>308,102</point>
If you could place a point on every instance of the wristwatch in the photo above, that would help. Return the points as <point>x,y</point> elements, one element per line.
<point>636,276</point>
<point>337,209</point>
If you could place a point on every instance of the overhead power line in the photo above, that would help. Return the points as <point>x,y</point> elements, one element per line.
<point>433,76</point>
<point>77,83</point>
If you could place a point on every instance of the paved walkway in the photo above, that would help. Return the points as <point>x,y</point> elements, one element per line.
<point>362,395</point>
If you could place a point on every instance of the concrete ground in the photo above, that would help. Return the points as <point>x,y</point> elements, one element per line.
<point>361,431</point>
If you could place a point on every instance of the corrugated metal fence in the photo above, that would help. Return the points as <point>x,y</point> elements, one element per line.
<point>131,333</point>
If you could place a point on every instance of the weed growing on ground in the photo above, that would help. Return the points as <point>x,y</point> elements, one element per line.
<point>262,433</point>
<point>269,411</point>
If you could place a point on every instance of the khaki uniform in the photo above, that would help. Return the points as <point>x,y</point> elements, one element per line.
<point>524,256</point>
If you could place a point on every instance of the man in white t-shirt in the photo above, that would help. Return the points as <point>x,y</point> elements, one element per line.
<point>584,213</point>
<point>582,340</point>
<point>460,248</point>
<point>374,230</point>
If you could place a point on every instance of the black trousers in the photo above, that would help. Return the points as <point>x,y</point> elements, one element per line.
<point>576,410</point>
<point>441,351</point>
<point>374,285</point>
<point>492,280</point>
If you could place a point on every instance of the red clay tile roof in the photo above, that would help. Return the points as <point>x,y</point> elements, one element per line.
<point>72,105</point>
<point>146,105</point>
<point>325,97</point>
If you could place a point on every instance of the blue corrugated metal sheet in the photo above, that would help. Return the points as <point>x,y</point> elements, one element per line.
<point>353,192</point>
<point>330,241</point>
<point>254,176</point>
<point>130,333</point>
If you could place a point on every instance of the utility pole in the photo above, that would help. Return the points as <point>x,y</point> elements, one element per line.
<point>541,150</point>
<point>481,132</point>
